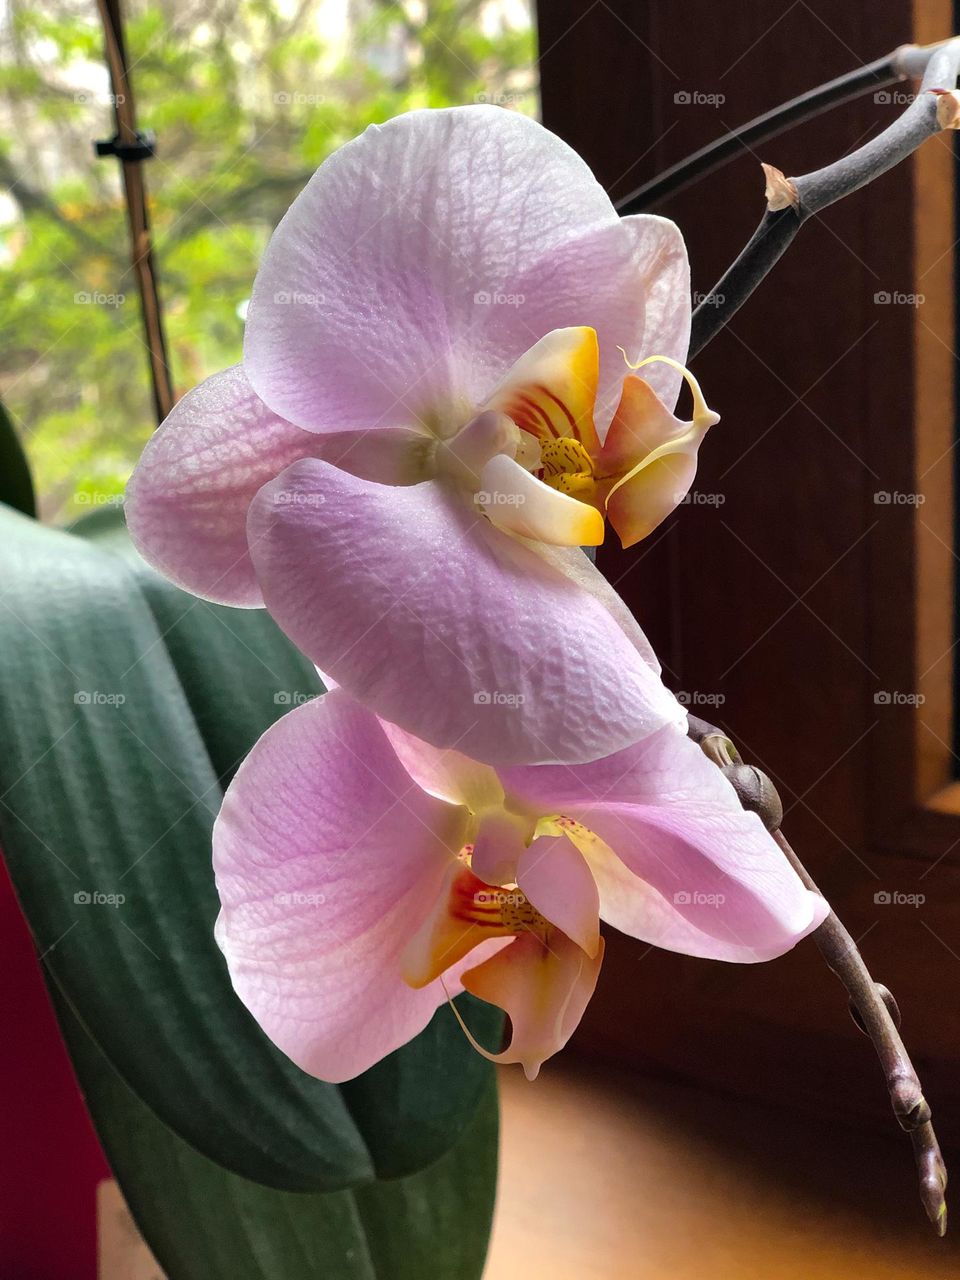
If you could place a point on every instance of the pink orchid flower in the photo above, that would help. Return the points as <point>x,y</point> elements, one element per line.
<point>365,877</point>
<point>433,414</point>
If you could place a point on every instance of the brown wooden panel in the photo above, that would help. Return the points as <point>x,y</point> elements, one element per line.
<point>794,601</point>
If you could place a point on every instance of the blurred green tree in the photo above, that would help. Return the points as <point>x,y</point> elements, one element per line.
<point>246,98</point>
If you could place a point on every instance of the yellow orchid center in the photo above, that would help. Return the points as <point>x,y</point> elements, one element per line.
<point>536,896</point>
<point>474,907</point>
<point>468,912</point>
<point>534,464</point>
<point>567,466</point>
<point>499,910</point>
<point>635,477</point>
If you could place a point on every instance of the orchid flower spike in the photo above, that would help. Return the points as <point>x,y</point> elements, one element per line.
<point>366,877</point>
<point>431,417</point>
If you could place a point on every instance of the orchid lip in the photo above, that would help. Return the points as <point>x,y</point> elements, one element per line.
<point>478,907</point>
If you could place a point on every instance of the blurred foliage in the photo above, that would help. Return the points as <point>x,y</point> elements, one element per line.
<point>246,98</point>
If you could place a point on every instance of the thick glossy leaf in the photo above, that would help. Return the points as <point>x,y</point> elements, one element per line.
<point>125,705</point>
<point>238,671</point>
<point>206,1224</point>
<point>108,801</point>
<point>16,487</point>
<point>407,1105</point>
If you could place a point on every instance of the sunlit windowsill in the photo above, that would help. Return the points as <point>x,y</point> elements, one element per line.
<point>607,1175</point>
<point>946,800</point>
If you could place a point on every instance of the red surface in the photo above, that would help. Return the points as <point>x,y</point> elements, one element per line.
<point>50,1160</point>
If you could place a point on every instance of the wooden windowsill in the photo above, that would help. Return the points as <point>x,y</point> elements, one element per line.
<point>609,1176</point>
<point>946,800</point>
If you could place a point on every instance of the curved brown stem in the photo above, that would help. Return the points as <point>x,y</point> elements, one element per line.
<point>908,60</point>
<point>872,1005</point>
<point>873,1008</point>
<point>815,191</point>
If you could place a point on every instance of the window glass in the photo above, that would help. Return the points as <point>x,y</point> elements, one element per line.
<point>246,97</point>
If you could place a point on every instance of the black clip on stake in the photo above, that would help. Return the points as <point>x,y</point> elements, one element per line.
<point>144,147</point>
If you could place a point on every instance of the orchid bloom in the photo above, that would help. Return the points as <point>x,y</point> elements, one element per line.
<point>432,415</point>
<point>366,877</point>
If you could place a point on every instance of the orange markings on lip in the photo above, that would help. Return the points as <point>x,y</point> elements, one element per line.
<point>560,404</point>
<point>532,417</point>
<point>506,910</point>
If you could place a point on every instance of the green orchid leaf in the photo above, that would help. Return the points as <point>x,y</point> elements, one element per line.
<point>204,1223</point>
<point>16,486</point>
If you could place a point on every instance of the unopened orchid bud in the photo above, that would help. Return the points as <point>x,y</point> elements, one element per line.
<point>756,793</point>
